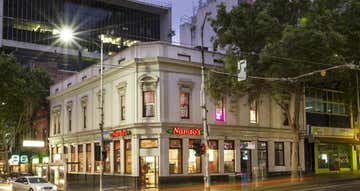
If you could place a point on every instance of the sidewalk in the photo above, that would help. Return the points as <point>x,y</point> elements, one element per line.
<point>274,183</point>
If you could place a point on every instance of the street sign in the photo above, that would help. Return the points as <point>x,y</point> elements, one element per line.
<point>242,70</point>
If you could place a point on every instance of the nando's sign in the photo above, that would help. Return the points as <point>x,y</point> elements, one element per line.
<point>185,131</point>
<point>120,133</point>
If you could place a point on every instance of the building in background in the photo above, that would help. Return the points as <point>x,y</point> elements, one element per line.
<point>30,29</point>
<point>333,140</point>
<point>190,28</point>
<point>153,124</point>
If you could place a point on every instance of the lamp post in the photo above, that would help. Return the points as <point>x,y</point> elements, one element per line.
<point>101,124</point>
<point>66,35</point>
<point>203,106</point>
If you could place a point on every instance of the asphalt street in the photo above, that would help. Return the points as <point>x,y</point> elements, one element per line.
<point>311,183</point>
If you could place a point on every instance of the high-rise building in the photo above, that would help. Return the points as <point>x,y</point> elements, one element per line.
<point>34,25</point>
<point>190,29</point>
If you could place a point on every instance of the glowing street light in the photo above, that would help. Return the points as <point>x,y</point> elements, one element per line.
<point>66,34</point>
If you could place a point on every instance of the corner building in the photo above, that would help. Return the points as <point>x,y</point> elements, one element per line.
<point>153,120</point>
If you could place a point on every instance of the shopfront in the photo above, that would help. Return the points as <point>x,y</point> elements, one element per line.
<point>334,157</point>
<point>332,153</point>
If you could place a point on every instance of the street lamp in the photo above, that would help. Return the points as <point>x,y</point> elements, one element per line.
<point>67,35</point>
<point>203,106</point>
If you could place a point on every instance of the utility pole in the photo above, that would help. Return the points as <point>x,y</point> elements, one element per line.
<point>101,124</point>
<point>357,99</point>
<point>203,107</point>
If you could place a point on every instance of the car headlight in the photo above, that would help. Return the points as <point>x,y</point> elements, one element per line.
<point>38,187</point>
<point>55,187</point>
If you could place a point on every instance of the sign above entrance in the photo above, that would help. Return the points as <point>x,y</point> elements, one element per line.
<point>120,133</point>
<point>247,145</point>
<point>185,131</point>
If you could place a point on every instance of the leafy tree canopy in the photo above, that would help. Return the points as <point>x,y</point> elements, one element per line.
<point>22,90</point>
<point>287,38</point>
<point>283,40</point>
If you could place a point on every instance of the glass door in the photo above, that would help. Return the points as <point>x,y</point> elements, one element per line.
<point>245,162</point>
<point>263,159</point>
<point>334,162</point>
<point>149,171</point>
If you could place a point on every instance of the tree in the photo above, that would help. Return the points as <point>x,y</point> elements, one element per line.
<point>23,89</point>
<point>283,39</point>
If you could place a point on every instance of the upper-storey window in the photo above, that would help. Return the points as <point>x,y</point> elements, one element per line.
<point>220,109</point>
<point>69,115</point>
<point>326,108</point>
<point>148,104</point>
<point>84,103</point>
<point>325,101</point>
<point>56,119</point>
<point>148,88</point>
<point>185,88</point>
<point>185,105</point>
<point>122,92</point>
<point>254,111</point>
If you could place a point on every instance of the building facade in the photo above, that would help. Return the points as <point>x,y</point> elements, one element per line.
<point>333,142</point>
<point>29,29</point>
<point>152,122</point>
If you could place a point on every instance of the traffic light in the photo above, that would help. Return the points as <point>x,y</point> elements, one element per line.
<point>97,154</point>
<point>197,148</point>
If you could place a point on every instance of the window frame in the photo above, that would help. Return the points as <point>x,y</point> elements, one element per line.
<point>254,110</point>
<point>183,105</point>
<point>279,161</point>
<point>144,104</point>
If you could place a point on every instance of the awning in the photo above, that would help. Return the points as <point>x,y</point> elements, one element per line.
<point>337,140</point>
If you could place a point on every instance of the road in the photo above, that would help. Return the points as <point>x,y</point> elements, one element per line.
<point>280,184</point>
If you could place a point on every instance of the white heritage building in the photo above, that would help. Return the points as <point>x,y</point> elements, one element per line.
<point>152,118</point>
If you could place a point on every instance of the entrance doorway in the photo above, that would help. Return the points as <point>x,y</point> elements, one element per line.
<point>334,162</point>
<point>263,159</point>
<point>245,156</point>
<point>149,171</point>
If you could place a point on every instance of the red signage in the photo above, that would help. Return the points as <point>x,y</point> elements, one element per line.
<point>120,133</point>
<point>185,131</point>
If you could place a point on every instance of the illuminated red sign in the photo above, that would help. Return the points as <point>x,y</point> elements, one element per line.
<point>184,131</point>
<point>120,133</point>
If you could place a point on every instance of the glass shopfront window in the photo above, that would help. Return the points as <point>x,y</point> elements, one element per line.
<point>80,158</point>
<point>213,156</point>
<point>194,161</point>
<point>107,160</point>
<point>72,158</point>
<point>117,157</point>
<point>128,157</point>
<point>334,156</point>
<point>229,156</point>
<point>88,157</point>
<point>175,156</point>
<point>97,163</point>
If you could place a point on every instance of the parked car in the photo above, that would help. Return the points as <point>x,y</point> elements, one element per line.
<point>32,183</point>
<point>14,175</point>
